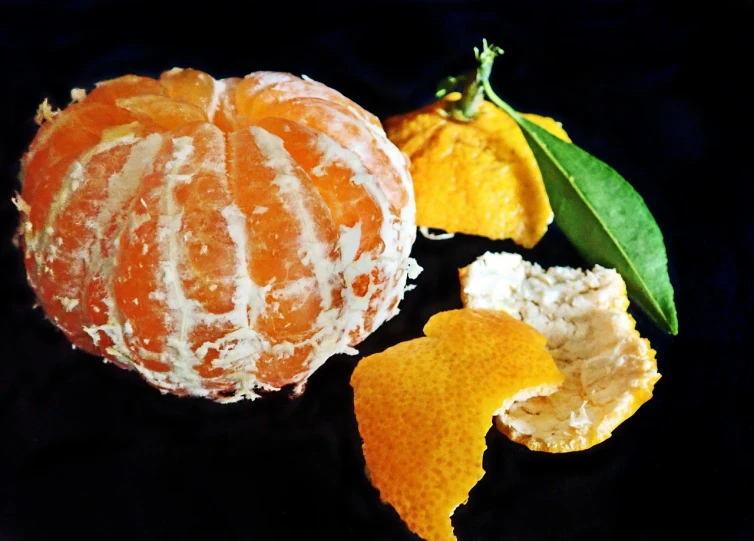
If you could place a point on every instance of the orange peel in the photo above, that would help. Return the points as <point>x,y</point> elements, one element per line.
<point>477,177</point>
<point>609,369</point>
<point>425,406</point>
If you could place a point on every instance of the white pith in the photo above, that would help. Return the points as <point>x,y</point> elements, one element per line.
<point>609,369</point>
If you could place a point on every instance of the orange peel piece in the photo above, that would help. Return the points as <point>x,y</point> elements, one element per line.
<point>425,406</point>
<point>609,369</point>
<point>477,177</point>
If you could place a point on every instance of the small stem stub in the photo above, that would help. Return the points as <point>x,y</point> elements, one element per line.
<point>473,90</point>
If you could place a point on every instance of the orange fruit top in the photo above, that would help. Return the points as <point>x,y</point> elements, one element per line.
<point>424,407</point>
<point>218,236</point>
<point>477,177</point>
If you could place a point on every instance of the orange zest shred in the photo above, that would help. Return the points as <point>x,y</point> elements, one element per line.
<point>424,406</point>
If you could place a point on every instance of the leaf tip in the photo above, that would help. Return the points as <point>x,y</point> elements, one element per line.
<point>673,323</point>
<point>666,318</point>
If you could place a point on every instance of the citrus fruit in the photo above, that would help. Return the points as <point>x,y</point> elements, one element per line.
<point>477,176</point>
<point>610,371</point>
<point>217,236</point>
<point>424,406</point>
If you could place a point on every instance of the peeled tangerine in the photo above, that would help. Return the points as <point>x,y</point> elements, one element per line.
<point>477,177</point>
<point>218,236</point>
<point>609,370</point>
<point>425,406</point>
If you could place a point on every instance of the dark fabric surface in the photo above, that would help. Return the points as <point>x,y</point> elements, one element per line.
<point>657,90</point>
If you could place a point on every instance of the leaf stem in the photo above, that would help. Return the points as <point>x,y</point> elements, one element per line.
<point>475,85</point>
<point>494,98</point>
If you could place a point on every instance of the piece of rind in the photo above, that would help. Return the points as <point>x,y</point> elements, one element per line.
<point>478,178</point>
<point>424,406</point>
<point>610,370</point>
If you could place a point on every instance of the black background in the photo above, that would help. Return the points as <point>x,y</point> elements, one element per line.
<point>659,90</point>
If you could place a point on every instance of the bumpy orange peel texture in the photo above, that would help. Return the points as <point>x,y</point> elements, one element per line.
<point>424,407</point>
<point>477,177</point>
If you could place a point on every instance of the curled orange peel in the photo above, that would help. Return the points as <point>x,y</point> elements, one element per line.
<point>424,408</point>
<point>609,369</point>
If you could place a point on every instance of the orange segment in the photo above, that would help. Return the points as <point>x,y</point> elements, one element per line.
<point>124,87</point>
<point>207,263</point>
<point>206,257</point>
<point>273,236</point>
<point>292,242</point>
<point>263,89</point>
<point>339,177</point>
<point>76,129</point>
<point>189,85</point>
<point>64,248</point>
<point>114,207</point>
<point>350,131</point>
<point>138,285</point>
<point>335,176</point>
<point>424,407</point>
<point>163,111</point>
<point>477,177</point>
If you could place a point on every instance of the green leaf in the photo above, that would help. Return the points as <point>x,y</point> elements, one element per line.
<point>606,220</point>
<point>600,213</point>
<point>603,217</point>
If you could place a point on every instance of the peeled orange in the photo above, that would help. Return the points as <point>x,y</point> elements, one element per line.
<point>218,236</point>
